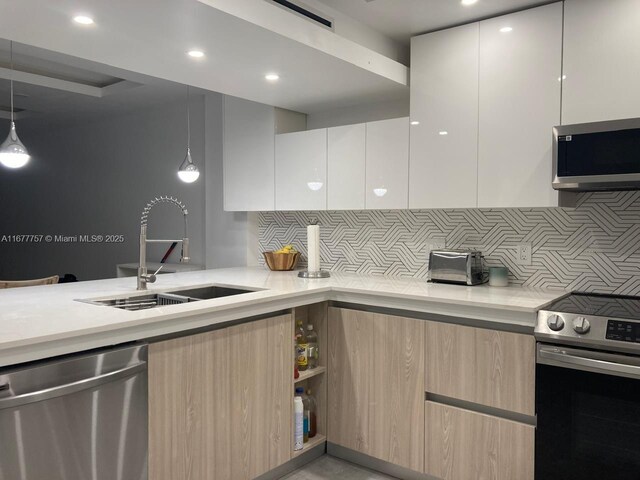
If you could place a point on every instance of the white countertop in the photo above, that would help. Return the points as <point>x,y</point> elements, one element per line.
<point>45,321</point>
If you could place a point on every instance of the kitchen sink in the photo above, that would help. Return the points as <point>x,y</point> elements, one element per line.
<point>152,300</point>
<point>212,291</point>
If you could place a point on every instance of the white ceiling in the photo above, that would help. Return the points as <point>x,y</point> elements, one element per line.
<point>41,106</point>
<point>402,19</point>
<point>152,36</point>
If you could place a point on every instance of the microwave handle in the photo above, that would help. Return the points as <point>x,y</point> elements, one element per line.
<point>588,361</point>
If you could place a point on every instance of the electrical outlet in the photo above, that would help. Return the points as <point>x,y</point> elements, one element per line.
<point>523,255</point>
<point>434,244</point>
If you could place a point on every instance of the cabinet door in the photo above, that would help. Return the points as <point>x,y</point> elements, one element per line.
<point>260,370</point>
<point>482,366</point>
<point>301,170</point>
<point>519,106</point>
<point>443,169</point>
<point>387,177</point>
<point>189,420</point>
<point>601,59</point>
<point>346,167</point>
<point>462,445</point>
<point>248,155</point>
<point>220,402</point>
<point>376,389</point>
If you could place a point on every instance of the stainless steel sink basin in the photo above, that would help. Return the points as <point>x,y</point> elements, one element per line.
<point>151,300</point>
<point>142,302</point>
<point>212,291</point>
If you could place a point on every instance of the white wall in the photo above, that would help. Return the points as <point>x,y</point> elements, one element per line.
<point>96,177</point>
<point>363,34</point>
<point>367,112</point>
<point>226,232</point>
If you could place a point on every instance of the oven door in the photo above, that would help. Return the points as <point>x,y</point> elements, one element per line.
<point>588,409</point>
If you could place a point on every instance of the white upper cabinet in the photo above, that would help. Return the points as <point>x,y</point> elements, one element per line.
<point>601,60</point>
<point>520,67</point>
<point>301,170</point>
<point>248,149</point>
<point>444,100</point>
<point>387,165</point>
<point>346,167</point>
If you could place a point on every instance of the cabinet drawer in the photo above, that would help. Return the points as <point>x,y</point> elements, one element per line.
<point>483,366</point>
<point>462,445</point>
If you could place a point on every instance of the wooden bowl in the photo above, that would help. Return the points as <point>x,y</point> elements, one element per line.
<point>280,262</point>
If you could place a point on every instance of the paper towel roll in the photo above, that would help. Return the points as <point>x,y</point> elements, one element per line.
<point>313,248</point>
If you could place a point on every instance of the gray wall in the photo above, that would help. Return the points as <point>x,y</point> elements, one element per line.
<point>95,178</point>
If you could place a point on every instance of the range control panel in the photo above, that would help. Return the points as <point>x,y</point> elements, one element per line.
<point>623,331</point>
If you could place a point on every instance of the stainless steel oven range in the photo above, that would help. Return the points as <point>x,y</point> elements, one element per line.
<point>588,388</point>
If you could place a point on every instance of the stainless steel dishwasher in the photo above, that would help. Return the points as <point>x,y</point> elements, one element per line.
<point>81,417</point>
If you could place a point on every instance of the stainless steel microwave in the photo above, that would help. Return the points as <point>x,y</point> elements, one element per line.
<point>597,156</point>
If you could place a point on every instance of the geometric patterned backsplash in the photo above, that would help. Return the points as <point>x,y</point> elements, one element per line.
<point>594,247</point>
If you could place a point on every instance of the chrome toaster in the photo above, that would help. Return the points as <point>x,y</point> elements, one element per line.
<point>465,267</point>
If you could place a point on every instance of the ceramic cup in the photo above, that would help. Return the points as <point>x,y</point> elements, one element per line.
<point>498,276</point>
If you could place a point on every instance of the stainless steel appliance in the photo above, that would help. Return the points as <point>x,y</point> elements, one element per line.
<point>588,388</point>
<point>80,417</point>
<point>457,266</point>
<point>597,156</point>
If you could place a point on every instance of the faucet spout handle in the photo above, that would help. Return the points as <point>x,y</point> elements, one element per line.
<point>158,270</point>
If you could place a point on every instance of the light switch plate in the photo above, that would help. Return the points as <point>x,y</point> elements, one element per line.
<point>523,254</point>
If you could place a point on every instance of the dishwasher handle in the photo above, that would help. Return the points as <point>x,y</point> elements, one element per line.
<point>69,388</point>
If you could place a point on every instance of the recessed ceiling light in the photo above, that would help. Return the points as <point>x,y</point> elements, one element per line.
<point>563,77</point>
<point>415,122</point>
<point>506,29</point>
<point>195,53</point>
<point>443,132</point>
<point>468,2</point>
<point>272,77</point>
<point>83,20</point>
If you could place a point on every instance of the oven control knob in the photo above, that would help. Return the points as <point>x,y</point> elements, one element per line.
<point>581,325</point>
<point>555,322</point>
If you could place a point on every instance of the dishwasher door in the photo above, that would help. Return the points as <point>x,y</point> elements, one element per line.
<point>80,417</point>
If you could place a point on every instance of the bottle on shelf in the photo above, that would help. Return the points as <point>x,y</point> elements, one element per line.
<point>313,419</point>
<point>312,347</point>
<point>298,434</point>
<point>305,418</point>
<point>302,348</point>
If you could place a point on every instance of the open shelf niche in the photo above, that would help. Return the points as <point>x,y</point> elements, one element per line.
<point>314,379</point>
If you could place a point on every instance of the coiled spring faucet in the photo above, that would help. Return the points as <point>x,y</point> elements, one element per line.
<point>143,276</point>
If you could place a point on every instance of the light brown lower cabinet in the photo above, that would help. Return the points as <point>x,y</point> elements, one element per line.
<point>376,385</point>
<point>479,365</point>
<point>465,445</point>
<point>220,402</point>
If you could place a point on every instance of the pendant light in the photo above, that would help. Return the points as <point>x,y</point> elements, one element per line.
<point>13,153</point>
<point>188,172</point>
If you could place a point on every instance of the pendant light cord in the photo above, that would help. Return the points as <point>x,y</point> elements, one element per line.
<point>188,122</point>
<point>11,78</point>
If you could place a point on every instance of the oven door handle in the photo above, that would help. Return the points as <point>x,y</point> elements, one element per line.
<point>588,361</point>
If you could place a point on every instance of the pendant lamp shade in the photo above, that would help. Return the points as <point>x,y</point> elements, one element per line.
<point>13,153</point>
<point>188,172</point>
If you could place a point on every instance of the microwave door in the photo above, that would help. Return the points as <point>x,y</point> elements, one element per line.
<point>597,156</point>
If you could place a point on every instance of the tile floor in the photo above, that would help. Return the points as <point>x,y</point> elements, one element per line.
<point>327,467</point>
